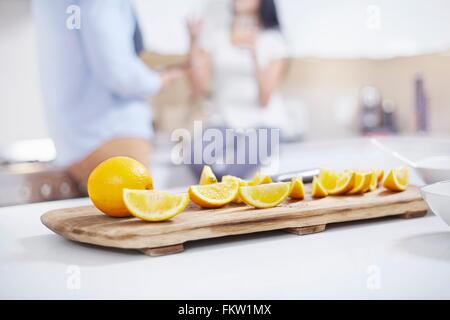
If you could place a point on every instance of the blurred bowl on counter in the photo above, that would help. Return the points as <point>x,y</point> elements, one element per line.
<point>434,169</point>
<point>437,196</point>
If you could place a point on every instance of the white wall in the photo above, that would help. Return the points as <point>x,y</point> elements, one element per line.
<point>366,28</point>
<point>21,114</point>
<point>325,28</point>
<point>315,27</point>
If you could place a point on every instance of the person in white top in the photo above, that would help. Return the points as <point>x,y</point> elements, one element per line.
<point>241,61</point>
<point>237,64</point>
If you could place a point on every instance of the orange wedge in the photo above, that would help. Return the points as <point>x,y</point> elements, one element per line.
<point>397,179</point>
<point>380,174</point>
<point>260,178</point>
<point>370,178</point>
<point>365,184</point>
<point>237,180</point>
<point>213,195</point>
<point>317,189</point>
<point>207,176</point>
<point>265,195</point>
<point>344,183</point>
<point>373,181</point>
<point>297,190</point>
<point>328,178</point>
<point>362,183</point>
<point>151,205</point>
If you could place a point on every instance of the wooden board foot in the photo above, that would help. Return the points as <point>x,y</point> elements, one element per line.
<point>412,215</point>
<point>301,231</point>
<point>162,251</point>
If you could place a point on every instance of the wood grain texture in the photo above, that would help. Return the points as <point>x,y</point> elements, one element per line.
<point>162,251</point>
<point>306,230</point>
<point>413,214</point>
<point>87,224</point>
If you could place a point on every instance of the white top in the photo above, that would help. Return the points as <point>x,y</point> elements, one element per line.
<point>234,87</point>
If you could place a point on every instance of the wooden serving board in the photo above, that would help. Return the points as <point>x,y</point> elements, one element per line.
<point>87,224</point>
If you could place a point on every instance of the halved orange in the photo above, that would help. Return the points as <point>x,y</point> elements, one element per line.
<point>397,179</point>
<point>265,195</point>
<point>213,195</point>
<point>152,205</point>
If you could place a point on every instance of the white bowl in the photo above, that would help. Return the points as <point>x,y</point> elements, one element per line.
<point>437,196</point>
<point>434,169</point>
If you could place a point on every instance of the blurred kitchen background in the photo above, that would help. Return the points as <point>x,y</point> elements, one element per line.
<point>356,68</point>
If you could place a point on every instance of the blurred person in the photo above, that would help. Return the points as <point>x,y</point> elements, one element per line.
<point>242,65</point>
<point>94,84</point>
<point>239,66</point>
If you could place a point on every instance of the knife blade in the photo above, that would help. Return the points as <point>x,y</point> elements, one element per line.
<point>307,175</point>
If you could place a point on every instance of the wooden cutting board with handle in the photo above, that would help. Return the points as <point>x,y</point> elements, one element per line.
<point>87,224</point>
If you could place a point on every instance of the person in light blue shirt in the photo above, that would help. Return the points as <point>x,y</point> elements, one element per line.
<point>94,85</point>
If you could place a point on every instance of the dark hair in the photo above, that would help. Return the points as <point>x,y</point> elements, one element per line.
<point>268,15</point>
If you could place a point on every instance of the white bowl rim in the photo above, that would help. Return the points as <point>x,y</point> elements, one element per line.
<point>424,188</point>
<point>440,157</point>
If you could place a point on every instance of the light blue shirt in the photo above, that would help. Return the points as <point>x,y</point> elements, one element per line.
<point>94,86</point>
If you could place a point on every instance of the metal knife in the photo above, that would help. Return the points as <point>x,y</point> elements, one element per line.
<point>307,175</point>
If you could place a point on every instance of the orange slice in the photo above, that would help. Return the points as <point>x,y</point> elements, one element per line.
<point>380,175</point>
<point>151,205</point>
<point>207,176</point>
<point>297,190</point>
<point>397,179</point>
<point>362,182</point>
<point>373,181</point>
<point>328,178</point>
<point>344,183</point>
<point>213,195</point>
<point>365,184</point>
<point>265,195</point>
<point>237,180</point>
<point>260,178</point>
<point>317,189</point>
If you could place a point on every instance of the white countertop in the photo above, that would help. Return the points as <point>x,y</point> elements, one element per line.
<point>411,258</point>
<point>385,258</point>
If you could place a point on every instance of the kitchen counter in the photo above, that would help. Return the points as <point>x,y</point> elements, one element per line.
<point>388,258</point>
<point>379,259</point>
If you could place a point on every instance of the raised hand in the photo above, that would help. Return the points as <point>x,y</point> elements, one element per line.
<point>194,27</point>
